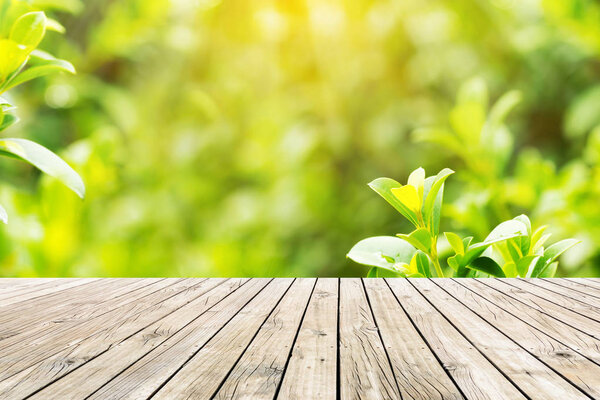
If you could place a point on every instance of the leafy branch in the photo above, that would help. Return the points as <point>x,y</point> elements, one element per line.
<point>21,31</point>
<point>511,249</point>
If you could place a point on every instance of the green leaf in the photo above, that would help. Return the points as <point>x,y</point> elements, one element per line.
<point>506,230</point>
<point>456,242</point>
<point>45,160</point>
<point>504,106</point>
<point>538,268</point>
<point>422,263</point>
<point>13,58</point>
<point>510,270</point>
<point>433,201</point>
<point>54,25</point>
<point>371,251</point>
<point>43,67</point>
<point>419,238</point>
<point>383,187</point>
<point>526,265</point>
<point>549,271</point>
<point>29,29</point>
<point>3,215</point>
<point>487,265</point>
<point>524,242</point>
<point>373,273</point>
<point>552,252</point>
<point>8,120</point>
<point>409,197</point>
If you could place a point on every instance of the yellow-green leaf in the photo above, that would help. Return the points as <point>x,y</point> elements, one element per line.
<point>45,160</point>
<point>408,196</point>
<point>29,29</point>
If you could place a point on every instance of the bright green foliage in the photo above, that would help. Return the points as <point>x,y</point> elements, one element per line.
<point>232,138</point>
<point>511,249</point>
<point>21,62</point>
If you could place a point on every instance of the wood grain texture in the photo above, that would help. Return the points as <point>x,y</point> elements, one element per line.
<point>551,308</point>
<point>257,374</point>
<point>305,338</point>
<point>311,372</point>
<point>532,376</point>
<point>365,371</point>
<point>534,334</point>
<point>148,374</point>
<point>476,376</point>
<point>417,371</point>
<point>118,355</point>
<point>220,354</point>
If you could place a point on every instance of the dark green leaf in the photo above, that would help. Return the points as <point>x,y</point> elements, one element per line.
<point>487,265</point>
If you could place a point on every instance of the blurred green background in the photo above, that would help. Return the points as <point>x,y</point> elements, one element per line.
<point>236,138</point>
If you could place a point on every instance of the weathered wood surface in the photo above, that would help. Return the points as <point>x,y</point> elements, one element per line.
<point>302,338</point>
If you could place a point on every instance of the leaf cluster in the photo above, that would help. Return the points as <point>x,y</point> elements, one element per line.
<point>22,29</point>
<point>511,249</point>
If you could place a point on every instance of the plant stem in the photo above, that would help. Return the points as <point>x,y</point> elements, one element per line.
<point>434,258</point>
<point>438,268</point>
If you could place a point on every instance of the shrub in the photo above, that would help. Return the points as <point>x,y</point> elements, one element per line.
<point>512,249</point>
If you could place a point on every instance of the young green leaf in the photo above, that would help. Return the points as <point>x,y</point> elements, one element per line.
<point>419,238</point>
<point>408,196</point>
<point>8,120</point>
<point>526,265</point>
<point>13,58</point>
<point>29,29</point>
<point>383,187</point>
<point>456,242</point>
<point>43,67</point>
<point>506,230</point>
<point>552,252</point>
<point>45,160</point>
<point>421,262</point>
<point>433,201</point>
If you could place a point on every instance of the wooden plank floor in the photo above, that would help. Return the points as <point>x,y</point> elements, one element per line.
<point>305,338</point>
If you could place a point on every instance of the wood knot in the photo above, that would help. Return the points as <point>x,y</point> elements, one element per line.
<point>449,367</point>
<point>563,353</point>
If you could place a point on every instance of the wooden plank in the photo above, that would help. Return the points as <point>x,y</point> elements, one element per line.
<point>108,359</point>
<point>569,336</point>
<point>65,317</point>
<point>219,355</point>
<point>68,313</point>
<point>311,372</point>
<point>574,286</point>
<point>144,377</point>
<point>532,376</point>
<point>472,372</point>
<point>417,371</point>
<point>50,306</point>
<point>590,282</point>
<point>9,298</point>
<point>18,286</point>
<point>560,313</point>
<point>257,375</point>
<point>557,294</point>
<point>364,370</point>
<point>36,350</point>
